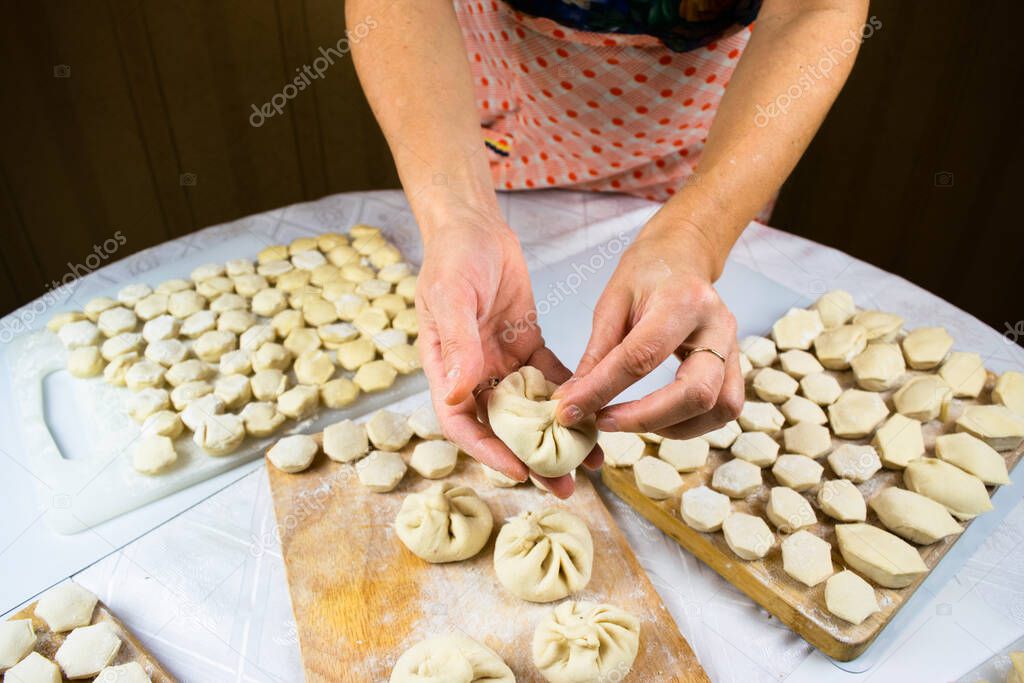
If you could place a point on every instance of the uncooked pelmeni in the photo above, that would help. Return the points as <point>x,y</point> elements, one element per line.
<point>820,387</point>
<point>126,342</point>
<point>163,423</point>
<point>342,255</point>
<point>116,320</point>
<point>388,430</point>
<point>850,597</point>
<point>261,418</point>
<point>389,338</point>
<point>302,339</point>
<point>837,347</point>
<point>746,367</point>
<point>146,402</point>
<point>184,303</point>
<point>545,555</point>
<point>324,274</point>
<point>206,271</point>
<point>798,472</point>
<point>747,536</point>
<point>269,302</point>
<point>370,321</point>
<point>736,478</point>
<point>807,558</point>
<point>293,453</point>
<point>336,334</point>
<point>881,326</point>
<point>910,515</point>
<point>17,638</point>
<point>234,390</point>
<point>724,436</point>
<point>381,471</point>
<point>166,352</point>
<point>797,363</point>
<point>499,479</point>
<point>444,523</point>
<point>434,459</point>
<point>317,311</point>
<point>250,285</point>
<point>974,456</point>
<point>308,260</point>
<point>686,455</point>
<point>926,347</point>
<point>760,351</point>
<point>79,333</point>
<point>757,448</point>
<point>996,425</point>
<point>807,438</point>
<point>34,668</point>
<point>220,434</point>
<point>94,307</point>
<point>192,370</point>
<point>761,417</point>
<point>392,304</point>
<point>238,266</point>
<point>215,286</point>
<point>172,286</point>
<point>405,358</point>
<point>774,385</point>
<point>85,361</point>
<point>407,321</point>
<point>61,319</point>
<point>799,409</point>
<point>201,408</point>
<point>153,454</point>
<point>229,302</point>
<point>276,252</point>
<point>522,415</point>
<point>788,510</point>
<point>268,385</point>
<point>210,346</point>
<point>406,288</point>
<point>878,367</point>
<point>385,256</point>
<point>584,641</point>
<point>152,306</point>
<point>349,305</point>
<point>656,478</point>
<point>116,371</point>
<point>299,401</point>
<point>356,353</point>
<point>922,397</point>
<point>145,375</point>
<point>797,329</point>
<point>198,323</point>
<point>963,494</point>
<point>855,462</point>
<point>301,244</point>
<point>345,441</point>
<point>273,270</point>
<point>856,413</point>
<point>87,650</point>
<point>1009,391</point>
<point>424,423</point>
<point>338,393</point>
<point>840,499</point>
<point>879,555</point>
<point>313,367</point>
<point>373,288</point>
<point>235,322</point>
<point>964,373</point>
<point>185,393</point>
<point>703,509</point>
<point>395,272</point>
<point>835,308</point>
<point>237,362</point>
<point>450,659</point>
<point>899,441</point>
<point>271,356</point>
<point>375,376</point>
<point>161,327</point>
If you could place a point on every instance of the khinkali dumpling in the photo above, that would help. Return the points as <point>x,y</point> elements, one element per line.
<point>444,523</point>
<point>544,556</point>
<point>522,416</point>
<point>451,659</point>
<point>579,642</point>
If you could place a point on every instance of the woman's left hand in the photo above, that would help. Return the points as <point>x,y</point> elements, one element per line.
<point>660,301</point>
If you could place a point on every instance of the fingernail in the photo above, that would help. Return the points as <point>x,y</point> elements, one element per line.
<point>453,380</point>
<point>572,414</point>
<point>607,423</point>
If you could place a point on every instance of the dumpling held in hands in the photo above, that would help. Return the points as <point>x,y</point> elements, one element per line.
<point>522,415</point>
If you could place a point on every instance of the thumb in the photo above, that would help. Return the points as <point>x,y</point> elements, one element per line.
<point>458,332</point>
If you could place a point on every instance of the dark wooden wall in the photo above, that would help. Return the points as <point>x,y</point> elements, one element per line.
<point>133,115</point>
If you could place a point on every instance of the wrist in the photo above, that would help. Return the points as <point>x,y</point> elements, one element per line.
<point>698,246</point>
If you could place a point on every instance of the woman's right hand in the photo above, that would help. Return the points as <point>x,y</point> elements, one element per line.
<point>478,321</point>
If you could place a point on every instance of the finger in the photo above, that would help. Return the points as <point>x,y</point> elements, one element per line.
<point>547,362</point>
<point>728,407</point>
<point>480,443</point>
<point>560,487</point>
<point>595,459</point>
<point>458,330</point>
<point>609,326</point>
<point>433,367</point>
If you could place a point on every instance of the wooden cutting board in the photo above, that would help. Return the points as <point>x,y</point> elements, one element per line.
<point>131,649</point>
<point>360,598</point>
<point>799,607</point>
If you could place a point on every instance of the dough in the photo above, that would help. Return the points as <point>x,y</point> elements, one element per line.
<point>407,321</point>
<point>746,367</point>
<point>798,472</point>
<point>166,352</point>
<point>293,453</point>
<point>161,327</point>
<point>797,363</point>
<point>261,418</point>
<point>172,286</point>
<point>998,426</point>
<point>389,339</point>
<point>656,478</point>
<point>974,456</point>
<point>237,362</point>
<point>807,438</point>
<point>229,302</point>
<point>799,409</point>
<point>856,413</point>
<point>324,274</point>
<point>878,367</point>
<point>434,459</point>
<point>1009,391</point>
<point>963,494</point>
<point>298,402</point>
<point>301,244</point>
<point>152,306</point>
<point>206,271</point>
<point>450,659</point>
<point>686,455</point>
<point>145,375</point>
<point>269,302</point>
<point>385,256</point>
<point>584,641</point>
<point>879,555</point>
<point>126,342</point>
<point>302,339</point>
<point>498,479</point>
<point>703,509</point>
<point>965,374</point>
<point>522,415</point>
<point>277,252</point>
<point>444,523</point>
<point>788,510</point>
<point>308,260</point>
<point>342,255</point>
<point>272,270</point>
<point>188,371</point>
<point>899,441</point>
<point>392,304</point>
<point>807,558</point>
<point>198,323</point>
<point>200,409</point>
<point>926,347</point>
<point>215,286</point>
<point>350,305</point>
<point>114,321</point>
<point>774,385</point>
<point>881,326</point>
<point>836,348</point>
<point>61,319</point>
<point>351,355</point>
<point>116,371</point>
<point>914,517</point>
<point>271,356</point>
<point>17,638</point>
<point>234,390</point>
<point>797,329</point>
<point>336,334</point>
<point>185,393</point>
<point>96,306</point>
<point>184,303</point>
<point>235,322</point>
<point>313,367</point>
<point>761,417</point>
<point>736,478</point>
<point>651,437</point>
<point>835,308</point>
<point>850,597</point>
<point>163,423</point>
<point>406,288</point>
<point>87,649</point>
<point>370,321</point>
<point>268,385</point>
<point>388,431</point>
<point>317,311</point>
<point>329,240</point>
<point>757,448</point>
<point>338,393</point>
<point>841,500</point>
<point>146,402</point>
<point>345,441</point>
<point>544,555</point>
<point>220,434</point>
<point>922,397</point>
<point>213,344</point>
<point>821,388</point>
<point>395,272</point>
<point>381,471</point>
<point>375,376</point>
<point>34,668</point>
<point>760,351</point>
<point>79,333</point>
<point>747,536</point>
<point>85,361</point>
<point>424,423</point>
<point>855,462</point>
<point>250,284</point>
<point>153,454</point>
<point>373,288</point>
<point>405,358</point>
<point>724,436</point>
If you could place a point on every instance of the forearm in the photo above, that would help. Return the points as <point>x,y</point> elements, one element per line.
<point>416,76</point>
<point>753,144</point>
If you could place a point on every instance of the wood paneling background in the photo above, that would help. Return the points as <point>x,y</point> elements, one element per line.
<point>133,115</point>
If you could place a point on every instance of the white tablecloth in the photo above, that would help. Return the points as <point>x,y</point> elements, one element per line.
<point>206,591</point>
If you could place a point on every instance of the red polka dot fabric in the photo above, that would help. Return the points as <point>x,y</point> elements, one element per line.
<point>591,111</point>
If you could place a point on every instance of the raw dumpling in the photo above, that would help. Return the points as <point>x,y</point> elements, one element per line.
<point>444,523</point>
<point>963,494</point>
<point>882,557</point>
<point>450,659</point>
<point>522,415</point>
<point>580,642</point>
<point>544,556</point>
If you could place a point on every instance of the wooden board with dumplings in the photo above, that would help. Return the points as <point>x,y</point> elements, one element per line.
<point>861,454</point>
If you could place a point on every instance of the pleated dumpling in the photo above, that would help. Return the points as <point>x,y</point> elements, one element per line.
<point>523,416</point>
<point>544,556</point>
<point>450,659</point>
<point>580,642</point>
<point>444,523</point>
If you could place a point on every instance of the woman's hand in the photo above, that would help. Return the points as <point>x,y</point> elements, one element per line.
<point>660,301</point>
<point>478,321</point>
